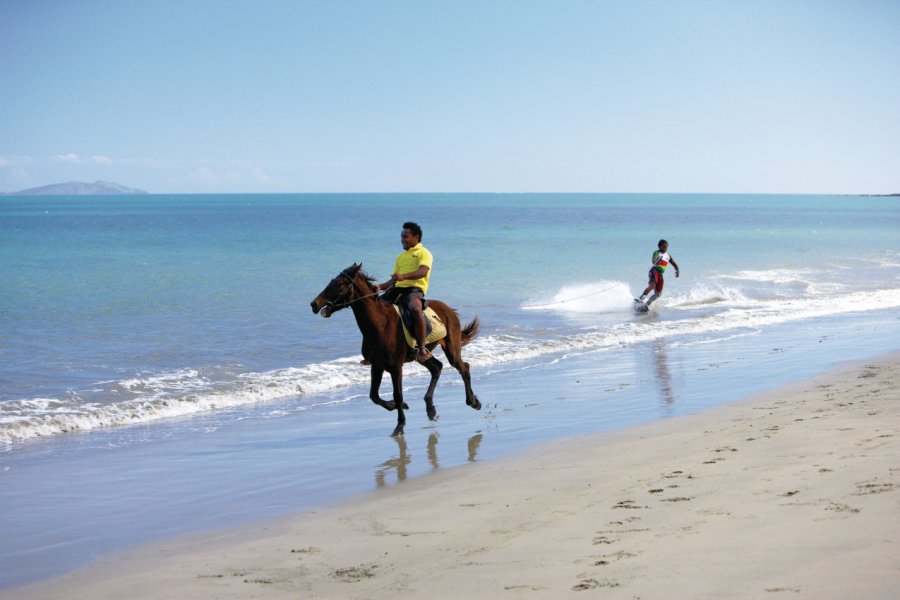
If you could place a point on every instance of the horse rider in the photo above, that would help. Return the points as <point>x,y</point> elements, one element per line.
<point>409,282</point>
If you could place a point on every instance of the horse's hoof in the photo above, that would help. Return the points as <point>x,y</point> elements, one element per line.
<point>405,407</point>
<point>474,403</point>
<point>432,414</point>
<point>398,431</point>
<point>388,405</point>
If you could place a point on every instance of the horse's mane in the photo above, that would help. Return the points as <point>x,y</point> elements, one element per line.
<point>370,281</point>
<point>367,278</point>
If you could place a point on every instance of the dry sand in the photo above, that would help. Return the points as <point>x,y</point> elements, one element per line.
<point>791,494</point>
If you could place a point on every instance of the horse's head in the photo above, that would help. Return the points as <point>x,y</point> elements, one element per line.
<point>338,294</point>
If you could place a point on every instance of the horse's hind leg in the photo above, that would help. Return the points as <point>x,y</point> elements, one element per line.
<point>434,367</point>
<point>455,357</point>
<point>471,398</point>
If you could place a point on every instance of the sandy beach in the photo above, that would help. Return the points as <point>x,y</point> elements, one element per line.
<point>794,493</point>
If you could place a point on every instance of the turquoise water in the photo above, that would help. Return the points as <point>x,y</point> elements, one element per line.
<point>160,350</point>
<point>169,298</point>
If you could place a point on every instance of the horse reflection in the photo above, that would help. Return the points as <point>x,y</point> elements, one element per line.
<point>432,451</point>
<point>399,464</point>
<point>474,444</point>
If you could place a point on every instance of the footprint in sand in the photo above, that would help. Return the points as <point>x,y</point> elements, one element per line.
<point>631,504</point>
<point>352,574</point>
<point>590,584</point>
<point>524,588</point>
<point>867,488</point>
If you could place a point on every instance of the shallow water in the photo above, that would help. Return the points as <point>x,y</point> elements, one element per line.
<point>171,378</point>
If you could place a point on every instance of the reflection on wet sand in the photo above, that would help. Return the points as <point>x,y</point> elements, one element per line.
<point>474,443</point>
<point>432,450</point>
<point>663,377</point>
<point>398,464</point>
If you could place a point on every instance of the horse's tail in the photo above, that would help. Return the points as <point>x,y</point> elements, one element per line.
<point>469,332</point>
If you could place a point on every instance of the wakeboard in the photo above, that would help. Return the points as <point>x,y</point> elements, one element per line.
<point>640,307</point>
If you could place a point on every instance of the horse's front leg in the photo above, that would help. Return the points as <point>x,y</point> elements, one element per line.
<point>374,396</point>
<point>397,380</point>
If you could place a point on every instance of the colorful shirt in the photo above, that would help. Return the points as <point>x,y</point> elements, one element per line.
<point>661,261</point>
<point>409,261</point>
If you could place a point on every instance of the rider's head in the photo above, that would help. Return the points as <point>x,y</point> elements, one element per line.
<point>662,245</point>
<point>411,235</point>
<point>414,229</point>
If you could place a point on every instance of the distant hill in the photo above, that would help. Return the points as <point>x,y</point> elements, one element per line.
<point>79,188</point>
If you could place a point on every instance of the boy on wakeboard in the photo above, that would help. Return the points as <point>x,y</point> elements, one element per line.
<point>661,259</point>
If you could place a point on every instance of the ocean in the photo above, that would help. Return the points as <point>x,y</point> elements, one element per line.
<point>161,371</point>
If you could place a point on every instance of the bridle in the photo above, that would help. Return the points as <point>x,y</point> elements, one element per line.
<point>333,304</point>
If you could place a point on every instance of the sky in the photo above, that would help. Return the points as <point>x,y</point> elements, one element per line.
<point>267,96</point>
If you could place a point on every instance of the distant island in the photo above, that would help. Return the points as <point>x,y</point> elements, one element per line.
<point>79,188</point>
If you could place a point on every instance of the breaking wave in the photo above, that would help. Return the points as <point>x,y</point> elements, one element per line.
<point>707,309</point>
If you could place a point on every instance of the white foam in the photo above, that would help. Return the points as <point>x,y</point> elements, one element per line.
<point>890,261</point>
<point>171,395</point>
<point>595,297</point>
<point>706,293</point>
<point>780,276</point>
<point>188,391</point>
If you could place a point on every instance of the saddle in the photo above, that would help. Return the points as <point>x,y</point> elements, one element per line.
<point>434,327</point>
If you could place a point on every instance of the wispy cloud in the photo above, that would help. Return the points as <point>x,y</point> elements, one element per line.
<point>7,160</point>
<point>260,175</point>
<point>73,158</point>
<point>65,158</point>
<point>203,176</point>
<point>16,177</point>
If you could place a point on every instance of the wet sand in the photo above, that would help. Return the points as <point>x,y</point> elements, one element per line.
<point>794,493</point>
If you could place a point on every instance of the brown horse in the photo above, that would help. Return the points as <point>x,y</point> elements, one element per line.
<point>384,345</point>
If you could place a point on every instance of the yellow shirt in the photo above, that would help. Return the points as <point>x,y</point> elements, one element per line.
<point>409,261</point>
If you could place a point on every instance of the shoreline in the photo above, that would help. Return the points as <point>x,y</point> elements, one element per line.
<point>794,491</point>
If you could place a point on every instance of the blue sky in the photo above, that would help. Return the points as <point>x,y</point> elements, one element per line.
<point>735,96</point>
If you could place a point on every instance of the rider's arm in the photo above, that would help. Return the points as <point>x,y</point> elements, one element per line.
<point>422,271</point>
<point>419,273</point>
<point>675,264</point>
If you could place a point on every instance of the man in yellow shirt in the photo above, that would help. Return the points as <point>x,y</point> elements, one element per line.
<point>409,282</point>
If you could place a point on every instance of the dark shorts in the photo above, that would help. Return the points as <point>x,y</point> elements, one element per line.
<point>656,280</point>
<point>403,296</point>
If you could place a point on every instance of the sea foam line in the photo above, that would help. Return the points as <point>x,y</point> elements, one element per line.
<point>42,417</point>
<point>25,419</point>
